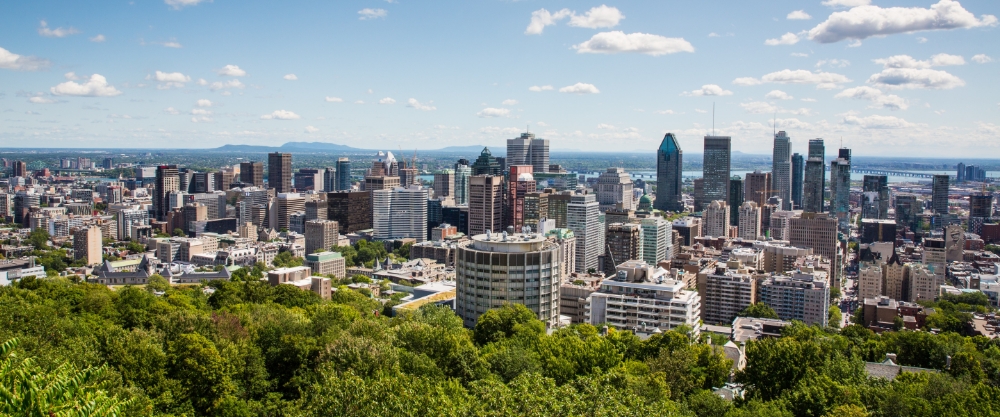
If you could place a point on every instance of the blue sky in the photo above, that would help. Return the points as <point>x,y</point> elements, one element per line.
<point>906,78</point>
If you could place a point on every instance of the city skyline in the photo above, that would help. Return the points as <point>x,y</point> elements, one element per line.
<point>185,74</point>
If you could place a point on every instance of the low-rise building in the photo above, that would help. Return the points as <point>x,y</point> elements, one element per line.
<point>327,263</point>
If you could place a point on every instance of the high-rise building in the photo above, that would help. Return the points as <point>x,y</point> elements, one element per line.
<point>444,184</point>
<point>558,204</point>
<point>129,219</point>
<point>521,269</point>
<point>749,221</point>
<point>330,179</point>
<point>908,211</point>
<point>583,218</point>
<point>166,181</point>
<point>321,235</point>
<point>816,231</point>
<point>317,209</point>
<point>735,198</point>
<point>285,205</point>
<point>840,189</point>
<point>279,172</point>
<point>666,304</point>
<point>400,213</point>
<point>814,183</point>
<point>716,168</point>
<point>352,210</point>
<point>343,174</point>
<point>485,204</point>
<point>669,166</point>
<point>657,244</point>
<point>528,150</point>
<point>798,173</point>
<point>725,292</point>
<point>614,187</point>
<point>757,187</point>
<point>875,197</point>
<point>980,211</point>
<point>87,245</point>
<point>252,173</point>
<point>924,283</point>
<point>803,296</point>
<point>960,178</point>
<point>520,184</point>
<point>939,196</point>
<point>462,174</point>
<point>875,230</point>
<point>781,169</point>
<point>716,219</point>
<point>536,208</point>
<point>623,242</point>
<point>381,182</point>
<point>699,194</point>
<point>309,179</point>
<point>486,164</point>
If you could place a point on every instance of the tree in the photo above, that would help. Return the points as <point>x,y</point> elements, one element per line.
<point>834,317</point>
<point>204,374</point>
<point>504,322</point>
<point>179,232</point>
<point>286,260</point>
<point>758,310</point>
<point>39,238</point>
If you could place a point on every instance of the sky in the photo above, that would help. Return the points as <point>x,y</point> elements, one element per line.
<point>895,78</point>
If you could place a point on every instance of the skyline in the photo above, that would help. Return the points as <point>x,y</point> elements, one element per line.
<point>198,74</point>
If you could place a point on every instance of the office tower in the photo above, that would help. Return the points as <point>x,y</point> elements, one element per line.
<point>582,217</point>
<point>614,187</point>
<point>203,182</point>
<point>716,168</point>
<point>524,269</point>
<point>798,173</point>
<point>875,230</point>
<point>108,163</point>
<point>309,179</point>
<point>87,245</point>
<point>816,231</point>
<point>184,177</point>
<point>6,206</point>
<point>558,204</point>
<point>779,225</point>
<point>935,256</point>
<point>669,167</point>
<point>352,210</point>
<point>803,296</point>
<point>329,179</point>
<point>462,174</point>
<point>444,184</point>
<point>657,244</point>
<point>814,184</point>
<point>285,205</point>
<point>528,150</point>
<point>215,202</point>
<point>317,209</point>
<point>486,164</point>
<point>781,169</point>
<point>749,221</point>
<point>458,217</point>
<point>699,194</point>
<point>960,177</point>
<point>870,280</point>
<point>20,169</point>
<point>279,172</point>
<point>924,283</point>
<point>321,235</point>
<point>400,213</point>
<point>735,198</point>
<point>252,173</point>
<point>225,177</point>
<point>485,204</point>
<point>538,154</point>
<point>757,187</point>
<point>623,242</point>
<point>166,181</point>
<point>193,212</point>
<point>374,183</point>
<point>908,211</point>
<point>840,190</point>
<point>939,196</point>
<point>567,250</point>
<point>875,197</point>
<point>343,177</point>
<point>520,183</point>
<point>716,219</point>
<point>130,219</point>
<point>980,211</point>
<point>724,293</point>
<point>665,303</point>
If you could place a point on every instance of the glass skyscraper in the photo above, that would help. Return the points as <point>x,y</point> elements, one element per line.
<point>669,164</point>
<point>815,177</point>
<point>798,172</point>
<point>840,189</point>
<point>343,176</point>
<point>781,169</point>
<point>716,168</point>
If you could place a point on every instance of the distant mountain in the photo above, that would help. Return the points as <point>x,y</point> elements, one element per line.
<point>463,149</point>
<point>290,146</point>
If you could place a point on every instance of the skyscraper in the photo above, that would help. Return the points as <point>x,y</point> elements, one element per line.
<point>343,178</point>
<point>757,187</point>
<point>462,174</point>
<point>520,182</point>
<point>716,219</point>
<point>657,244</point>
<point>528,150</point>
<point>748,226</point>
<point>166,181</point>
<point>400,213</point>
<point>840,189</point>
<point>485,204</point>
<point>939,197</point>
<point>279,172</point>
<point>781,169</point>
<point>669,166</point>
<point>624,243</point>
<point>875,197</point>
<point>582,217</point>
<point>486,164</point>
<point>352,210</point>
<point>716,168</point>
<point>444,184</point>
<point>251,173</point>
<point>735,198</point>
<point>614,187</point>
<point>960,178</point>
<point>798,172</point>
<point>814,183</point>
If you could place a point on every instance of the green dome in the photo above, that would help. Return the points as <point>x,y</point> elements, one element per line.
<point>645,199</point>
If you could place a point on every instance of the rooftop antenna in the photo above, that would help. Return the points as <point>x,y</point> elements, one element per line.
<point>528,129</point>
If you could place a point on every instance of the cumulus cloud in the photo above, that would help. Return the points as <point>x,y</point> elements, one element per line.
<point>12,61</point>
<point>201,119</point>
<point>605,126</point>
<point>46,31</point>
<point>509,102</point>
<point>906,61</point>
<point>334,99</point>
<point>281,115</point>
<point>664,112</point>
<point>541,18</point>
<point>981,59</point>
<point>493,112</point>
<point>846,3</point>
<point>746,81</point>
<point>839,63</point>
<point>823,80</point>
<point>170,79</point>
<point>876,122</point>
<point>916,78</point>
<point>866,21</point>
<point>778,95</point>
<point>201,112</point>
<point>368,13</point>
<point>99,38</point>
<point>179,4</point>
<point>387,100</point>
<point>221,85</point>
<point>538,88</point>
<point>708,90</point>
<point>644,43</point>
<point>96,86</point>
<point>40,100</point>
<point>419,106</point>
<point>311,129</point>
<point>171,110</point>
<point>597,17</point>
<point>798,15</point>
<point>290,77</point>
<point>204,103</point>
<point>786,39</point>
<point>580,88</point>
<point>232,71</point>
<point>876,96</point>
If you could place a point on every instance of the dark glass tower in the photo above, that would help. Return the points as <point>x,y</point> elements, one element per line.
<point>343,177</point>
<point>798,172</point>
<point>279,172</point>
<point>669,164</point>
<point>815,177</point>
<point>735,198</point>
<point>716,168</point>
<point>486,164</point>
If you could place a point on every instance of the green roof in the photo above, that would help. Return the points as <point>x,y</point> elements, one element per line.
<point>560,233</point>
<point>323,256</point>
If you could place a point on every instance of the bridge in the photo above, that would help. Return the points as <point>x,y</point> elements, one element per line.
<point>891,173</point>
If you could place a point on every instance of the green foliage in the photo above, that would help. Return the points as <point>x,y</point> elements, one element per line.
<point>286,260</point>
<point>403,252</point>
<point>135,247</point>
<point>39,238</point>
<point>834,316</point>
<point>758,310</point>
<point>179,232</point>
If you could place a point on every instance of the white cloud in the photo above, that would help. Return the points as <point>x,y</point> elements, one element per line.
<point>232,71</point>
<point>290,77</point>
<point>708,90</point>
<point>493,112</point>
<point>644,43</point>
<point>311,129</point>
<point>334,99</point>
<point>906,61</point>
<point>701,111</point>
<point>541,18</point>
<point>746,81</point>
<point>866,21</point>
<point>854,44</point>
<point>359,102</point>
<point>170,44</point>
<point>204,103</point>
<point>368,13</point>
<point>98,38</point>
<point>798,15</point>
<point>759,107</point>
<point>876,122</point>
<point>981,59</point>
<point>171,77</point>
<point>201,112</point>
<point>509,102</point>
<point>12,61</point>
<point>778,95</point>
<point>171,110</point>
<point>580,88</point>
<point>500,130</point>
<point>597,17</point>
<point>281,115</point>
<point>605,126</point>
<point>219,85</point>
<point>40,100</point>
<point>876,96</point>
<point>387,100</point>
<point>839,63</point>
<point>941,60</point>
<point>538,88</point>
<point>419,106</point>
<point>921,39</point>
<point>846,3</point>
<point>916,78</point>
<point>178,4</point>
<point>201,119</point>
<point>823,80</point>
<point>809,100</point>
<point>664,112</point>
<point>96,86</point>
<point>44,30</point>
<point>71,76</point>
<point>786,39</point>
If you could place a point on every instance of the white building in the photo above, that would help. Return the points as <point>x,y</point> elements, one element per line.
<point>657,242</point>
<point>716,219</point>
<point>400,213</point>
<point>802,296</point>
<point>749,217</point>
<point>644,307</point>
<point>614,187</point>
<point>582,217</point>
